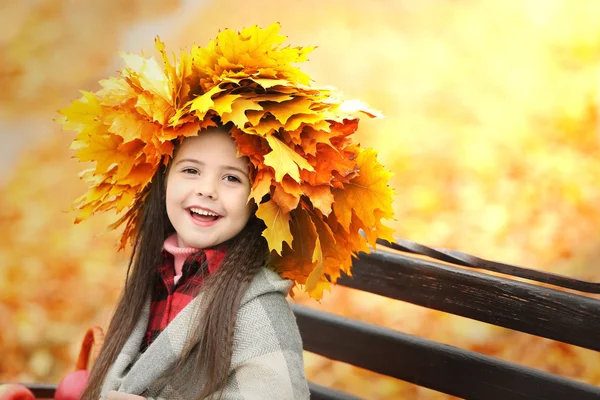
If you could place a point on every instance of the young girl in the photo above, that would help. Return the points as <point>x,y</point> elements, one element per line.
<point>239,182</point>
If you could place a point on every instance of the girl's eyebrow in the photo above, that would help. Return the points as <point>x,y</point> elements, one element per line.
<point>194,161</point>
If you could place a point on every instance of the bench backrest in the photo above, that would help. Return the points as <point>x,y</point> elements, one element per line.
<point>539,310</point>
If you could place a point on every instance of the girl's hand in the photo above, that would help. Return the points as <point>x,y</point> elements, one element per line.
<point>114,395</point>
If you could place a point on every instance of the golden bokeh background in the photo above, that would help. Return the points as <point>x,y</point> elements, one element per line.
<point>492,133</point>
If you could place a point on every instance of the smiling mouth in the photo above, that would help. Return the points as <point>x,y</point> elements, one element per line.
<point>203,216</point>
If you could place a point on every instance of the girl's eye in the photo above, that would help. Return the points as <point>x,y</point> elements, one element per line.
<point>231,178</point>
<point>189,171</point>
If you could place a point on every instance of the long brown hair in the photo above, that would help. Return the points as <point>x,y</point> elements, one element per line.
<point>210,342</point>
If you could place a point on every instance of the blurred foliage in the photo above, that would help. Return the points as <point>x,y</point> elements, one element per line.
<point>492,133</point>
<point>56,278</point>
<point>49,49</point>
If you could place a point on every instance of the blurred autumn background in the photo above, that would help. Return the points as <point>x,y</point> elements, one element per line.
<point>492,133</point>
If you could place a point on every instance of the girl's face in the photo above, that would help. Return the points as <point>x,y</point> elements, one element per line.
<point>207,190</point>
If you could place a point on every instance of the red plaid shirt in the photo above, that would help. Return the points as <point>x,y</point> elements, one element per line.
<point>168,298</point>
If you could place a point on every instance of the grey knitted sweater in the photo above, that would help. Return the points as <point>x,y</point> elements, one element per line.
<point>267,358</point>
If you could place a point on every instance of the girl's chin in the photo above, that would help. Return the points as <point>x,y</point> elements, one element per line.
<point>200,245</point>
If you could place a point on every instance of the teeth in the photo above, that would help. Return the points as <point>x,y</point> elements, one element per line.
<point>203,212</point>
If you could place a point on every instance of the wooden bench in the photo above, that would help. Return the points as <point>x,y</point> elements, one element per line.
<point>526,307</point>
<point>535,308</point>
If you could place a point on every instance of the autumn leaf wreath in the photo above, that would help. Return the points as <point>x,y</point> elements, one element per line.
<point>324,189</point>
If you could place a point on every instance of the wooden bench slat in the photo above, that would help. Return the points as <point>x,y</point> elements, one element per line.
<point>318,392</point>
<point>456,257</point>
<point>427,363</point>
<point>525,307</point>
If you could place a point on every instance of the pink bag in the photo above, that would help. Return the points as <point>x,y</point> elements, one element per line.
<point>73,385</point>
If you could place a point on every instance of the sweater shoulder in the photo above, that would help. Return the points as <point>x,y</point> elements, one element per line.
<point>266,281</point>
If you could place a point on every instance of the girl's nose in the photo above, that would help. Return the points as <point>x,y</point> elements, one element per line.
<point>207,187</point>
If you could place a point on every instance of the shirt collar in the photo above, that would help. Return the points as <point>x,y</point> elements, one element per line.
<point>214,256</point>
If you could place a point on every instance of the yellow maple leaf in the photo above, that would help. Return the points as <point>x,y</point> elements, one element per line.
<point>116,92</point>
<point>182,89</point>
<point>125,199</point>
<point>146,74</point>
<point>81,115</point>
<point>380,230</point>
<point>270,83</point>
<point>92,199</point>
<point>130,127</point>
<point>201,104</point>
<point>261,185</point>
<point>285,160</point>
<point>239,107</point>
<point>266,127</point>
<point>154,108</point>
<point>178,87</point>
<point>254,117</point>
<point>297,121</point>
<point>284,110</point>
<point>223,104</point>
<point>186,130</point>
<point>317,273</point>
<point>243,54</point>
<point>368,191</point>
<point>261,41</point>
<point>104,150</point>
<point>263,97</point>
<point>85,211</point>
<point>278,225</point>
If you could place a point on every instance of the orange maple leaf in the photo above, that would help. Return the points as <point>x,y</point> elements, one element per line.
<point>297,264</point>
<point>287,201</point>
<point>327,161</point>
<point>320,196</point>
<point>309,138</point>
<point>364,193</point>
<point>337,251</point>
